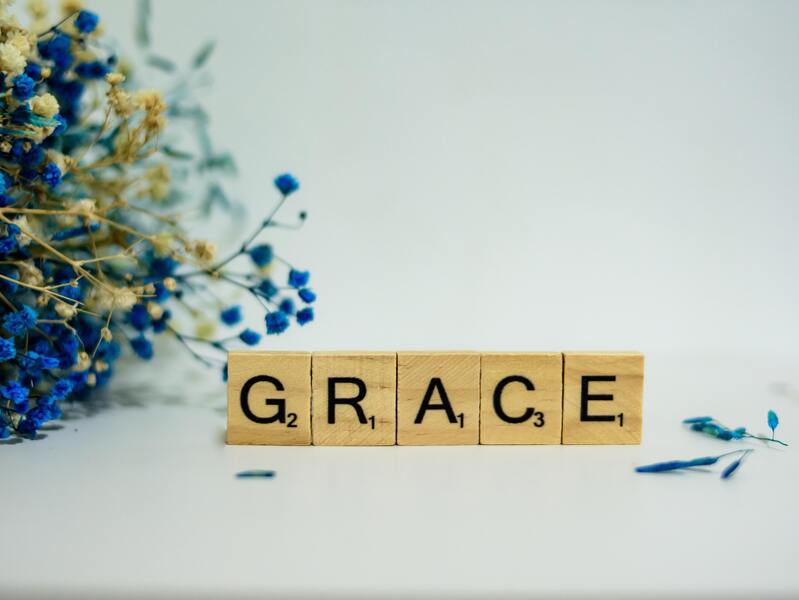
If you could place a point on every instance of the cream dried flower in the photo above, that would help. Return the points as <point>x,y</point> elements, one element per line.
<point>204,251</point>
<point>155,310</point>
<point>115,78</point>
<point>29,274</point>
<point>11,59</point>
<point>110,298</point>
<point>45,105</point>
<point>85,207</point>
<point>37,9</point>
<point>150,100</point>
<point>71,6</point>
<point>83,363</point>
<point>21,42</point>
<point>65,311</point>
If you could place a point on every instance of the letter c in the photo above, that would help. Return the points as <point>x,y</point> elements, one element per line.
<point>527,414</point>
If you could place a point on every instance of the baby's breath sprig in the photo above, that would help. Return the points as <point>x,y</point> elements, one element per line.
<point>94,249</point>
<point>712,427</point>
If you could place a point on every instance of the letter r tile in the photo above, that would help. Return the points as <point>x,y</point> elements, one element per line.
<point>354,398</point>
<point>269,398</point>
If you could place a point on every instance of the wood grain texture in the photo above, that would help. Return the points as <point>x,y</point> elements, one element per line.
<point>349,375</point>
<point>581,407</point>
<point>421,374</point>
<point>293,371</point>
<point>540,407</point>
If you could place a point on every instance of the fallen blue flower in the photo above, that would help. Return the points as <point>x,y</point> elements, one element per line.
<point>733,466</point>
<point>714,428</point>
<point>674,465</point>
<point>253,473</point>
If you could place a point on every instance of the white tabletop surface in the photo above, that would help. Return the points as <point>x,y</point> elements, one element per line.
<point>142,499</point>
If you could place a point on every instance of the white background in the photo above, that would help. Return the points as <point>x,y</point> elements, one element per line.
<point>488,176</point>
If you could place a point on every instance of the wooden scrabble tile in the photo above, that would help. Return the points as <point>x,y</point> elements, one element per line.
<point>354,399</point>
<point>521,399</point>
<point>438,398</point>
<point>269,398</point>
<point>602,397</point>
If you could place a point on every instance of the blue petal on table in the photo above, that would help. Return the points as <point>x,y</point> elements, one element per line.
<point>255,473</point>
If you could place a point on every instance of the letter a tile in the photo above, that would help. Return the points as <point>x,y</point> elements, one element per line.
<point>438,398</point>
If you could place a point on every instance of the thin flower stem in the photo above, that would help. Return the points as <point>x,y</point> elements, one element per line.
<point>765,439</point>
<point>181,338</point>
<point>246,244</point>
<point>55,27</point>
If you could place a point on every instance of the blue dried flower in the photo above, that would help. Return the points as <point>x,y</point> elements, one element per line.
<point>160,325</point>
<point>20,322</point>
<point>92,70</point>
<point>699,420</point>
<point>23,87</point>
<point>673,465</point>
<point>298,279</point>
<point>86,21</point>
<point>57,48</point>
<point>261,255</point>
<point>7,349</point>
<point>139,317</point>
<point>34,363</point>
<point>61,127</point>
<point>51,175</point>
<point>73,232</point>
<point>40,357</point>
<point>34,71</point>
<point>15,393</point>
<point>773,421</point>
<point>276,322</point>
<point>306,315</point>
<point>142,347</point>
<point>712,427</point>
<point>37,417</point>
<point>231,315</point>
<point>250,337</point>
<point>307,295</point>
<point>738,433</point>
<point>60,390</point>
<point>287,184</point>
<point>287,306</point>
<point>733,466</point>
<point>33,157</point>
<point>8,244</point>
<point>163,266</point>
<point>267,289</point>
<point>255,473</point>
